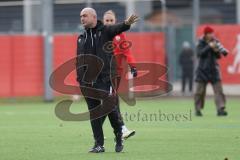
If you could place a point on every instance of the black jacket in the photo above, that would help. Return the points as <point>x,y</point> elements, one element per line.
<point>97,42</point>
<point>186,61</point>
<point>208,68</point>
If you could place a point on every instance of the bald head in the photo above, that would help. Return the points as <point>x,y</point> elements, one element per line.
<point>89,11</point>
<point>88,17</point>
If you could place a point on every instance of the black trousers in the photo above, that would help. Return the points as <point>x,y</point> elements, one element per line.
<point>187,78</point>
<point>118,111</point>
<point>96,124</point>
<point>117,82</point>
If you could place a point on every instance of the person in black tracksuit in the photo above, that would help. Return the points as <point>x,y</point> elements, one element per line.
<point>94,42</point>
<point>209,50</point>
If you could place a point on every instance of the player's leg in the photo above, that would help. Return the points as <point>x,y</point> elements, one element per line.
<point>115,121</point>
<point>113,115</point>
<point>97,130</point>
<point>96,124</point>
<point>125,131</point>
<point>103,119</point>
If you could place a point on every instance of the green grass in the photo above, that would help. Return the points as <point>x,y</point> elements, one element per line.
<point>31,131</point>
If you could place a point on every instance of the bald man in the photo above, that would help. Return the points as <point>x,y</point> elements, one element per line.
<point>94,43</point>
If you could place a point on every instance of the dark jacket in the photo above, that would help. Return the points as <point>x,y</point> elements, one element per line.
<point>186,61</point>
<point>97,42</point>
<point>208,68</point>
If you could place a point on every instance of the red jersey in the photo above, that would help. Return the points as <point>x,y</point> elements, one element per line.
<point>122,51</point>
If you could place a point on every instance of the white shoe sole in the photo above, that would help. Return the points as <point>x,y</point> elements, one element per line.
<point>130,134</point>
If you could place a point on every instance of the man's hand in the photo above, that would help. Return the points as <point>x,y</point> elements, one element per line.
<point>132,19</point>
<point>134,71</point>
<point>212,44</point>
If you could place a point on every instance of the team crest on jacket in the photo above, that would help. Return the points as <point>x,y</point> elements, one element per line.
<point>118,38</point>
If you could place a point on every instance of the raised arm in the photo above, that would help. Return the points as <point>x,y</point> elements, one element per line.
<point>114,30</point>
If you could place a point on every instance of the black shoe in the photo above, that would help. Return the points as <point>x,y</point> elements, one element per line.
<point>198,113</point>
<point>222,112</point>
<point>97,149</point>
<point>119,143</point>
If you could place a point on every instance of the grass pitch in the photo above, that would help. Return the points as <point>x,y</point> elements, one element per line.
<point>31,131</point>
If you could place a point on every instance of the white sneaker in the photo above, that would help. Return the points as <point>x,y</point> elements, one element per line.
<point>127,134</point>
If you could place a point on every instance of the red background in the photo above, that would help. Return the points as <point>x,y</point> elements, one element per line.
<point>21,62</point>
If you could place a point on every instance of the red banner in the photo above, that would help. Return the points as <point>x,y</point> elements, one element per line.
<point>21,62</point>
<point>21,66</point>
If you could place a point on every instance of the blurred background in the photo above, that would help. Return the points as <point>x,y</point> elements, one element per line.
<point>37,36</point>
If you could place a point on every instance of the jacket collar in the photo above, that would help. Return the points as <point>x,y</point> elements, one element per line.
<point>99,26</point>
